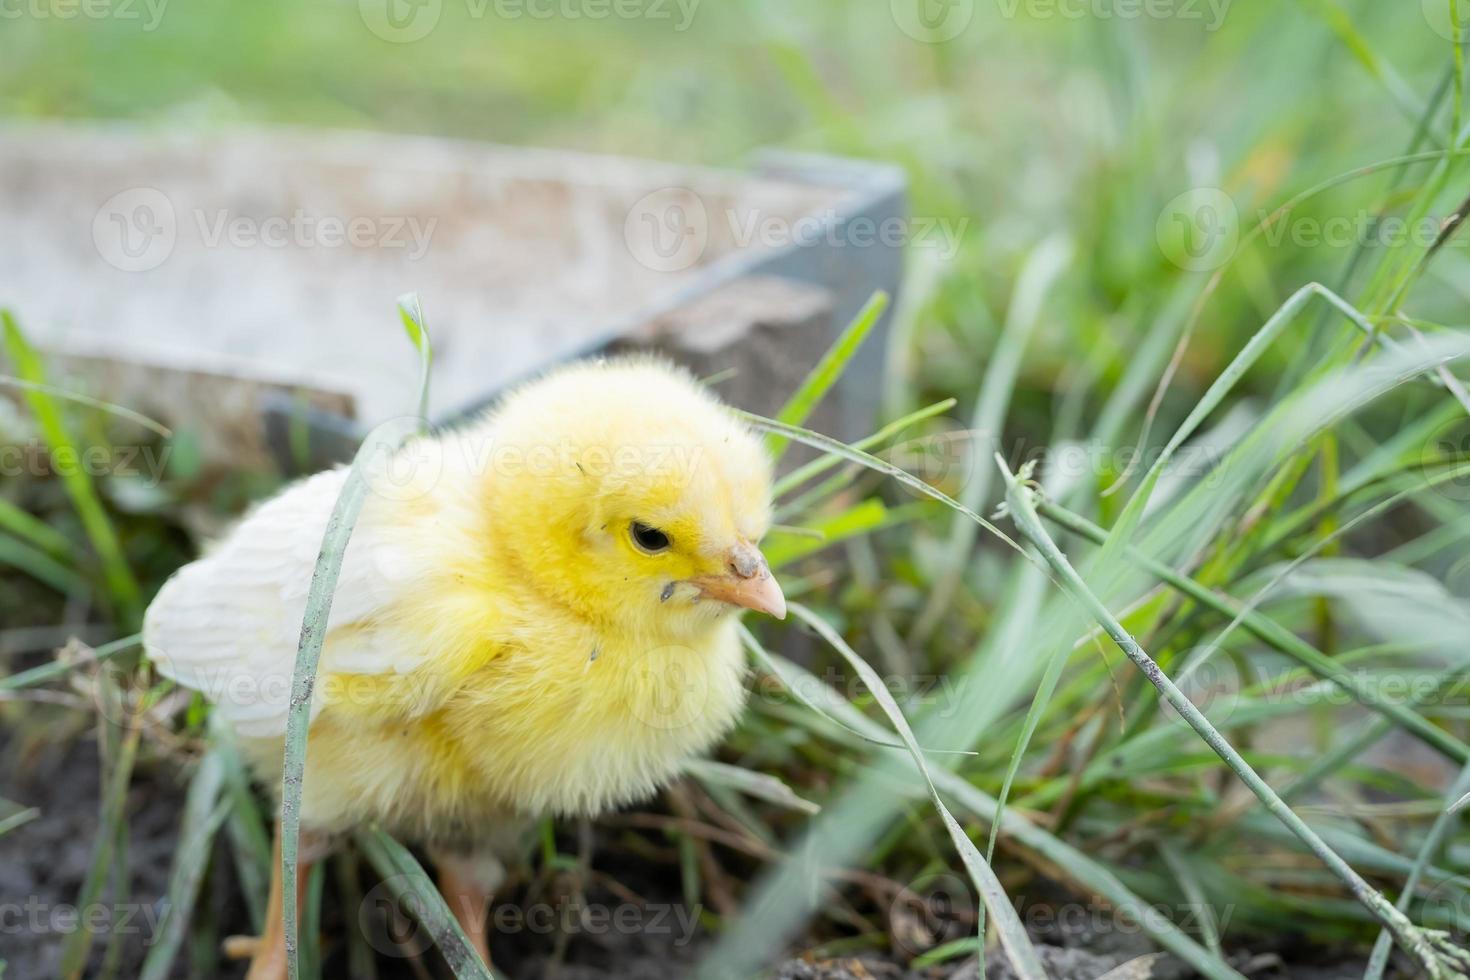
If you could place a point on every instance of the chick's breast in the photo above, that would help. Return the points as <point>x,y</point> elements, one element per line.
<point>533,732</point>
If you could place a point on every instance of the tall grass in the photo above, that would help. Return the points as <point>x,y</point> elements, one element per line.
<point>1290,530</point>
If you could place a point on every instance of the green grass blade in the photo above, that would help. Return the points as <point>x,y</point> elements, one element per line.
<point>311,921</point>
<point>250,842</point>
<point>816,497</point>
<point>36,532</point>
<point>1013,936</point>
<point>1089,875</point>
<point>1205,510</point>
<point>822,464</point>
<point>1054,667</point>
<point>18,819</point>
<point>828,370</point>
<point>122,586</point>
<point>1341,24</point>
<point>117,775</point>
<point>328,568</point>
<point>762,786</point>
<point>829,445</point>
<point>1043,267</point>
<point>1263,338</point>
<point>783,546</point>
<point>1282,213</point>
<point>414,891</point>
<point>58,668</point>
<point>773,666</point>
<point>111,408</point>
<point>41,567</point>
<point>923,273</point>
<point>1194,894</point>
<point>120,894</point>
<point>204,812</point>
<point>303,680</point>
<point>1422,129</point>
<point>411,314</point>
<point>362,959</point>
<point>1416,943</point>
<point>1442,828</point>
<point>1270,632</point>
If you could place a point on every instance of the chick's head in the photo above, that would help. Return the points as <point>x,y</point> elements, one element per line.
<point>638,500</point>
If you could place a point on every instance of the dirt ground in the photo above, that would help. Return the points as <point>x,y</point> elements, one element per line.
<point>42,865</point>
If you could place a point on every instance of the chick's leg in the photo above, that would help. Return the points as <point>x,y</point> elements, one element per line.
<point>467,882</point>
<point>268,952</point>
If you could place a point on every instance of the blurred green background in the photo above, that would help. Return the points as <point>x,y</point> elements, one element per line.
<point>1085,116</point>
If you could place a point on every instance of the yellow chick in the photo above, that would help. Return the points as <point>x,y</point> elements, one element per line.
<point>534,616</point>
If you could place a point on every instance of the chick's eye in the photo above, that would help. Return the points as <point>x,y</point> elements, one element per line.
<point>649,539</point>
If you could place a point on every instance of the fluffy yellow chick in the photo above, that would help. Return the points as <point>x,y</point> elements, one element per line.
<point>534,616</point>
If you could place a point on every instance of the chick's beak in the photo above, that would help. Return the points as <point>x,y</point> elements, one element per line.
<point>747,582</point>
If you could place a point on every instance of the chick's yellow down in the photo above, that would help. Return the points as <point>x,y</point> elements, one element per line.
<point>534,615</point>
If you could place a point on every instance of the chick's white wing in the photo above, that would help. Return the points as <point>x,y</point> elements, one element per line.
<point>228,624</point>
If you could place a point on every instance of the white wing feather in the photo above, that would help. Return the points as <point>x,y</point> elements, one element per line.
<point>228,624</point>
